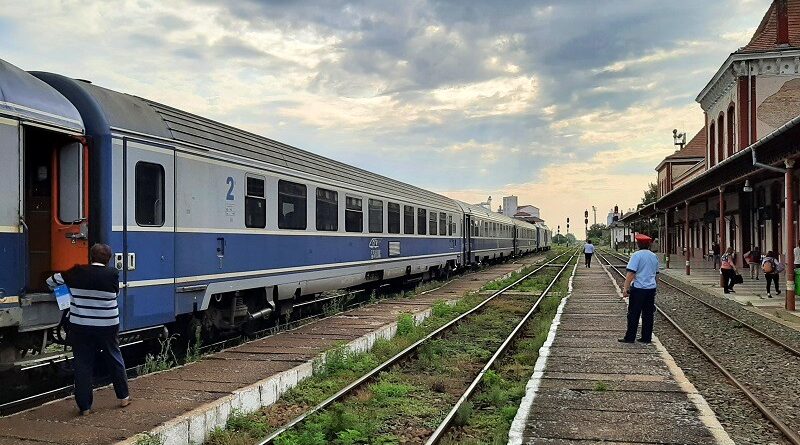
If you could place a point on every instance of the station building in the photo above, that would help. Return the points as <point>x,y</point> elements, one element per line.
<point>735,181</point>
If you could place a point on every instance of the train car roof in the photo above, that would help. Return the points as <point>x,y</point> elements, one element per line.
<point>127,113</point>
<point>24,97</point>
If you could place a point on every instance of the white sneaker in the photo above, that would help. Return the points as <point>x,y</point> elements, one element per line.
<point>769,295</point>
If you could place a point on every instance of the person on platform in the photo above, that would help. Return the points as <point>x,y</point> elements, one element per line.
<point>715,249</point>
<point>727,268</point>
<point>797,255</point>
<point>754,261</point>
<point>93,325</point>
<point>588,251</point>
<point>640,289</point>
<point>770,267</point>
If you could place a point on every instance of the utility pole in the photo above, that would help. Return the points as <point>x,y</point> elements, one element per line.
<point>594,210</point>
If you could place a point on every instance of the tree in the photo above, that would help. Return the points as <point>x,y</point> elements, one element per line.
<point>570,238</point>
<point>596,232</point>
<point>648,226</point>
<point>559,238</point>
<point>650,195</point>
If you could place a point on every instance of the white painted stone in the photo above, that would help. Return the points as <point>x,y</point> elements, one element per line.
<point>250,399</point>
<point>197,428</point>
<point>269,391</point>
<point>176,434</point>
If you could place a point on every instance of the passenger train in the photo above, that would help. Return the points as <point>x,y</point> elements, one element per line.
<point>207,222</point>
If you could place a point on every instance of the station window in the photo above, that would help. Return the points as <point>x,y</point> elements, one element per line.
<point>375,216</point>
<point>327,210</point>
<point>393,217</point>
<point>422,224</point>
<point>292,198</point>
<point>443,224</point>
<point>408,220</point>
<point>353,215</point>
<point>255,203</point>
<point>432,223</point>
<point>149,194</point>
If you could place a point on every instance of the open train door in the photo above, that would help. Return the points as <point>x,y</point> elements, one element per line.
<point>148,257</point>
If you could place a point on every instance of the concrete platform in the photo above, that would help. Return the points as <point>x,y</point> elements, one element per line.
<point>589,388</point>
<point>184,404</point>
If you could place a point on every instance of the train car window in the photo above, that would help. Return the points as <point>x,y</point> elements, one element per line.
<point>443,224</point>
<point>422,223</point>
<point>327,210</point>
<point>71,183</point>
<point>292,209</point>
<point>149,194</point>
<point>408,220</point>
<point>476,228</point>
<point>375,216</point>
<point>432,218</point>
<point>451,227</point>
<point>485,229</point>
<point>393,217</point>
<point>255,203</point>
<point>353,215</point>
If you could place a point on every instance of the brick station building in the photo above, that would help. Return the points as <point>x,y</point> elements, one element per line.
<point>735,181</point>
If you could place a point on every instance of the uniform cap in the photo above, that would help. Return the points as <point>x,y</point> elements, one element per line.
<point>641,238</point>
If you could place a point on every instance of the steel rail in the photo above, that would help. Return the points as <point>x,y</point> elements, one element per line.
<point>769,337</point>
<point>773,418</point>
<point>439,433</point>
<point>342,393</point>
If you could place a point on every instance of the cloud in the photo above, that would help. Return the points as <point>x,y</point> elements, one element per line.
<point>567,104</point>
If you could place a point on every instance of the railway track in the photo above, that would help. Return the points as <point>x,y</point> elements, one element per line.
<point>312,313</point>
<point>448,328</point>
<point>763,368</point>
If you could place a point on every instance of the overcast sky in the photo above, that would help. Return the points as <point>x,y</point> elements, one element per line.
<point>567,103</point>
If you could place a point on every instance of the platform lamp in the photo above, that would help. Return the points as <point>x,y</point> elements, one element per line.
<point>747,187</point>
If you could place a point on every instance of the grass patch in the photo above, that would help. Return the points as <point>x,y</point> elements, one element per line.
<point>149,439</point>
<point>601,386</point>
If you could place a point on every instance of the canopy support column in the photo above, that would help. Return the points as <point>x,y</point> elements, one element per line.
<point>790,238</point>
<point>687,238</point>
<point>722,245</point>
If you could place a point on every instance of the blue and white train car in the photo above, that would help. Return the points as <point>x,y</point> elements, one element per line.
<point>491,236</point>
<point>543,236</point>
<point>203,218</point>
<point>42,155</point>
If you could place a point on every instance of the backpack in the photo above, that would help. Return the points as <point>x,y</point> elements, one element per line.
<point>780,267</point>
<point>768,266</point>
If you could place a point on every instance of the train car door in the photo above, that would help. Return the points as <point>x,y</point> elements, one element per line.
<point>53,203</point>
<point>148,257</point>
<point>467,238</point>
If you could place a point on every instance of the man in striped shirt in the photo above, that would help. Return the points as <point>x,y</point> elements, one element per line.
<point>93,326</point>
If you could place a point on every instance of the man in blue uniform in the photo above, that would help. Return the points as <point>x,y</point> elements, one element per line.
<point>640,288</point>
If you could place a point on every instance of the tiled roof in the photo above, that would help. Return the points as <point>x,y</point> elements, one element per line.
<point>696,148</point>
<point>766,35</point>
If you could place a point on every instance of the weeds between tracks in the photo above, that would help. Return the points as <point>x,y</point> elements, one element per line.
<point>407,402</point>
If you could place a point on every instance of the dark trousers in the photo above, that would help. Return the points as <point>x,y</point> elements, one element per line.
<point>772,277</point>
<point>87,343</point>
<point>588,259</point>
<point>642,302</point>
<point>727,277</point>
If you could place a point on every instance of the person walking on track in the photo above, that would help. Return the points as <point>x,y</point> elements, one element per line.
<point>588,251</point>
<point>727,268</point>
<point>771,272</point>
<point>640,288</point>
<point>93,325</point>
